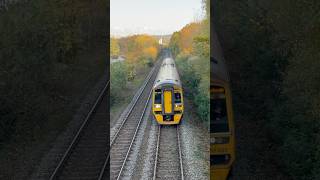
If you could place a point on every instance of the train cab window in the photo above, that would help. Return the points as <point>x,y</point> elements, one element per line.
<point>177,97</point>
<point>218,113</point>
<point>157,96</point>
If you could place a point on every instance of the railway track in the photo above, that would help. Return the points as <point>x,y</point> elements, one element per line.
<point>124,138</point>
<point>168,160</point>
<point>87,153</point>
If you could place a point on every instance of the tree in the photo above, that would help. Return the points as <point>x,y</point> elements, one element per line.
<point>114,47</point>
<point>272,48</point>
<point>182,41</point>
<point>150,52</point>
<point>174,44</point>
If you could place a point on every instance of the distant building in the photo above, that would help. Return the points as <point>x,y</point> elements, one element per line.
<point>118,59</point>
<point>160,41</point>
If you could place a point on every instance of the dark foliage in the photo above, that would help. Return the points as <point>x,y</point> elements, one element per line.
<point>40,46</point>
<point>272,49</point>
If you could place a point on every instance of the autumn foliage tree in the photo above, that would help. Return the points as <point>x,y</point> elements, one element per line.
<point>138,48</point>
<point>150,52</point>
<point>114,47</point>
<point>190,47</point>
<point>174,44</point>
<point>182,41</point>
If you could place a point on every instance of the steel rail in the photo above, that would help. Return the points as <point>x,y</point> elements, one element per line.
<point>134,136</point>
<point>131,108</point>
<point>157,154</point>
<point>102,172</point>
<point>74,141</point>
<point>180,154</point>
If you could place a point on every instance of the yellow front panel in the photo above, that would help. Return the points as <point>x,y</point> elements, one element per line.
<point>219,174</point>
<point>177,117</point>
<point>167,102</point>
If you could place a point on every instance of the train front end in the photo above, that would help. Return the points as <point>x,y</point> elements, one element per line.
<point>168,104</point>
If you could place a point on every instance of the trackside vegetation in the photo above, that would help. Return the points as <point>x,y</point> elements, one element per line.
<point>139,53</point>
<point>272,49</point>
<point>195,83</point>
<point>190,46</point>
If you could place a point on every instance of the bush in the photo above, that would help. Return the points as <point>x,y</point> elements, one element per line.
<point>131,71</point>
<point>147,62</point>
<point>40,45</point>
<point>118,73</point>
<point>195,86</point>
<point>203,105</point>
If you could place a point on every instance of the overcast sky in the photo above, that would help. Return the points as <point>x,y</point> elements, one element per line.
<point>157,17</point>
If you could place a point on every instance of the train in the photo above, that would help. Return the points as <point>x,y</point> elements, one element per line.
<point>167,94</point>
<point>222,127</point>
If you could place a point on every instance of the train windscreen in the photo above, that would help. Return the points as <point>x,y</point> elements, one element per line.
<point>177,97</point>
<point>218,113</point>
<point>157,97</point>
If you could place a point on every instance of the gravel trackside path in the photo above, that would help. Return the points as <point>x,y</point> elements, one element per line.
<point>195,139</point>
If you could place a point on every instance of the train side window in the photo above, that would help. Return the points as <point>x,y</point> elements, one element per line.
<point>157,97</point>
<point>177,97</point>
<point>218,114</point>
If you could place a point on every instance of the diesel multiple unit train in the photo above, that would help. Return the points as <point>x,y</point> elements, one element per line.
<point>167,104</point>
<point>222,131</point>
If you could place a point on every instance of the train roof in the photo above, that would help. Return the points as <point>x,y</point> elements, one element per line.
<point>217,61</point>
<point>167,74</point>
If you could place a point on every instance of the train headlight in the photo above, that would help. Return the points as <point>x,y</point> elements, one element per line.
<point>219,140</point>
<point>178,105</point>
<point>157,106</point>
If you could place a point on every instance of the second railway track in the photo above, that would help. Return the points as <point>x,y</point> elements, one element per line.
<point>123,139</point>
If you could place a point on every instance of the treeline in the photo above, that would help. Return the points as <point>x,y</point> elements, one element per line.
<point>190,47</point>
<point>182,41</point>
<point>42,70</point>
<point>272,48</point>
<point>136,48</point>
<point>140,52</point>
